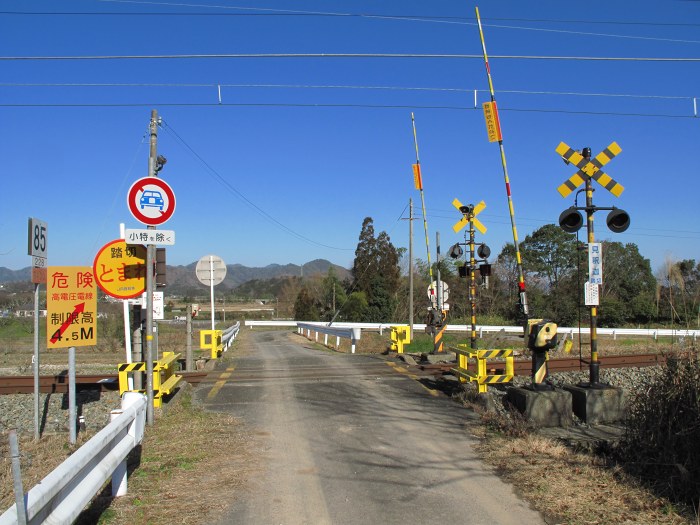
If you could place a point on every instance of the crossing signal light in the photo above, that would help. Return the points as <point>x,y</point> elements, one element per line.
<point>455,251</point>
<point>571,220</point>
<point>483,251</point>
<point>618,220</point>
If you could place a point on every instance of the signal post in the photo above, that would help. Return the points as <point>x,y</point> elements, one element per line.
<point>593,402</point>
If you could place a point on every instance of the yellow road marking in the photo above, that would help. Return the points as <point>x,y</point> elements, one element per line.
<point>402,370</point>
<point>220,383</point>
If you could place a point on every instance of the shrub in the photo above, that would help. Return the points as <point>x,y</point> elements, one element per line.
<point>663,431</point>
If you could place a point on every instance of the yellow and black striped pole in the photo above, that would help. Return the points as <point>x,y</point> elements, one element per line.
<point>594,369</point>
<point>521,278</point>
<point>472,280</point>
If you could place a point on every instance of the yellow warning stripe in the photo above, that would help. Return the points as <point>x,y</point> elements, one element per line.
<point>132,367</point>
<point>491,354</point>
<point>498,379</point>
<point>220,383</point>
<point>437,342</point>
<point>541,373</point>
<point>405,371</point>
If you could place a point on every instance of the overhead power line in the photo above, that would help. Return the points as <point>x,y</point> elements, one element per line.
<point>346,55</point>
<point>240,195</point>
<point>327,86</point>
<point>361,106</point>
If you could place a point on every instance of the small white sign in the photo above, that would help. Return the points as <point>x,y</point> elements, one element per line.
<point>433,292</point>
<point>158,305</point>
<point>592,298</point>
<point>160,237</point>
<point>595,263</point>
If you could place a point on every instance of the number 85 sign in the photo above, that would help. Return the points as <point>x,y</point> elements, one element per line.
<point>37,238</point>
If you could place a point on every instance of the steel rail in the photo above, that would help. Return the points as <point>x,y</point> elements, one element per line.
<point>59,383</point>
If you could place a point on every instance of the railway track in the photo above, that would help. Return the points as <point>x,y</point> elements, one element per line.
<point>59,383</point>
<point>105,382</point>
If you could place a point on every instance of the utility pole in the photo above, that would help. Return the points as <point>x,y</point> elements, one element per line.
<point>410,268</point>
<point>150,257</point>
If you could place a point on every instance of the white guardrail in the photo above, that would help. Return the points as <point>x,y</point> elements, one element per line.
<point>62,495</point>
<point>482,329</point>
<point>230,334</point>
<point>352,333</point>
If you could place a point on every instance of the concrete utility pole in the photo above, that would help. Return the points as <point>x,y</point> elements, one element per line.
<point>150,257</point>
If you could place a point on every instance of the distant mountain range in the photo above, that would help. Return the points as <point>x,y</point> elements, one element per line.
<point>183,280</point>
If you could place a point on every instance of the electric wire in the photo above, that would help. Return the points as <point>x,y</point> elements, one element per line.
<point>122,191</point>
<point>349,87</point>
<point>312,105</point>
<point>342,55</point>
<point>295,13</point>
<point>240,195</point>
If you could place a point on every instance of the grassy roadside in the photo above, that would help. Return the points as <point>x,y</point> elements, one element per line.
<point>566,486</point>
<point>180,475</point>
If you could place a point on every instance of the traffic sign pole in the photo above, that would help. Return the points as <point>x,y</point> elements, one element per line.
<point>38,241</point>
<point>211,288</point>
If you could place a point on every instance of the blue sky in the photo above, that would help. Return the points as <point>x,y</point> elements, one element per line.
<point>279,174</point>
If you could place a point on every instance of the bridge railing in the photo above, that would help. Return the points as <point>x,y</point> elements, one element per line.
<point>62,495</point>
<point>352,333</point>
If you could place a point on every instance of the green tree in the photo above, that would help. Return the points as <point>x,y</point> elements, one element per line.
<point>365,263</point>
<point>355,307</point>
<point>305,308</point>
<point>376,273</point>
<point>550,253</point>
<point>333,295</point>
<point>628,286</point>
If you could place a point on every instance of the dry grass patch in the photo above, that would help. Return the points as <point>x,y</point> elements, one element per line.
<point>191,465</point>
<point>37,460</point>
<point>572,487</point>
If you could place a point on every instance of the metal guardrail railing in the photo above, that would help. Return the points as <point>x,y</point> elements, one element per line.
<point>230,334</point>
<point>62,495</point>
<point>354,334</point>
<point>518,330</point>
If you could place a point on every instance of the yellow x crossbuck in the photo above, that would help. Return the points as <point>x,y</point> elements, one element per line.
<point>466,218</point>
<point>589,168</point>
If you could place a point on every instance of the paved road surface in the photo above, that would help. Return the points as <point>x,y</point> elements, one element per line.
<point>350,440</point>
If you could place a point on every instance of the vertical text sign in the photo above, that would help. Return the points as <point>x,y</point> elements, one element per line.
<point>71,304</point>
<point>493,126</point>
<point>595,263</point>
